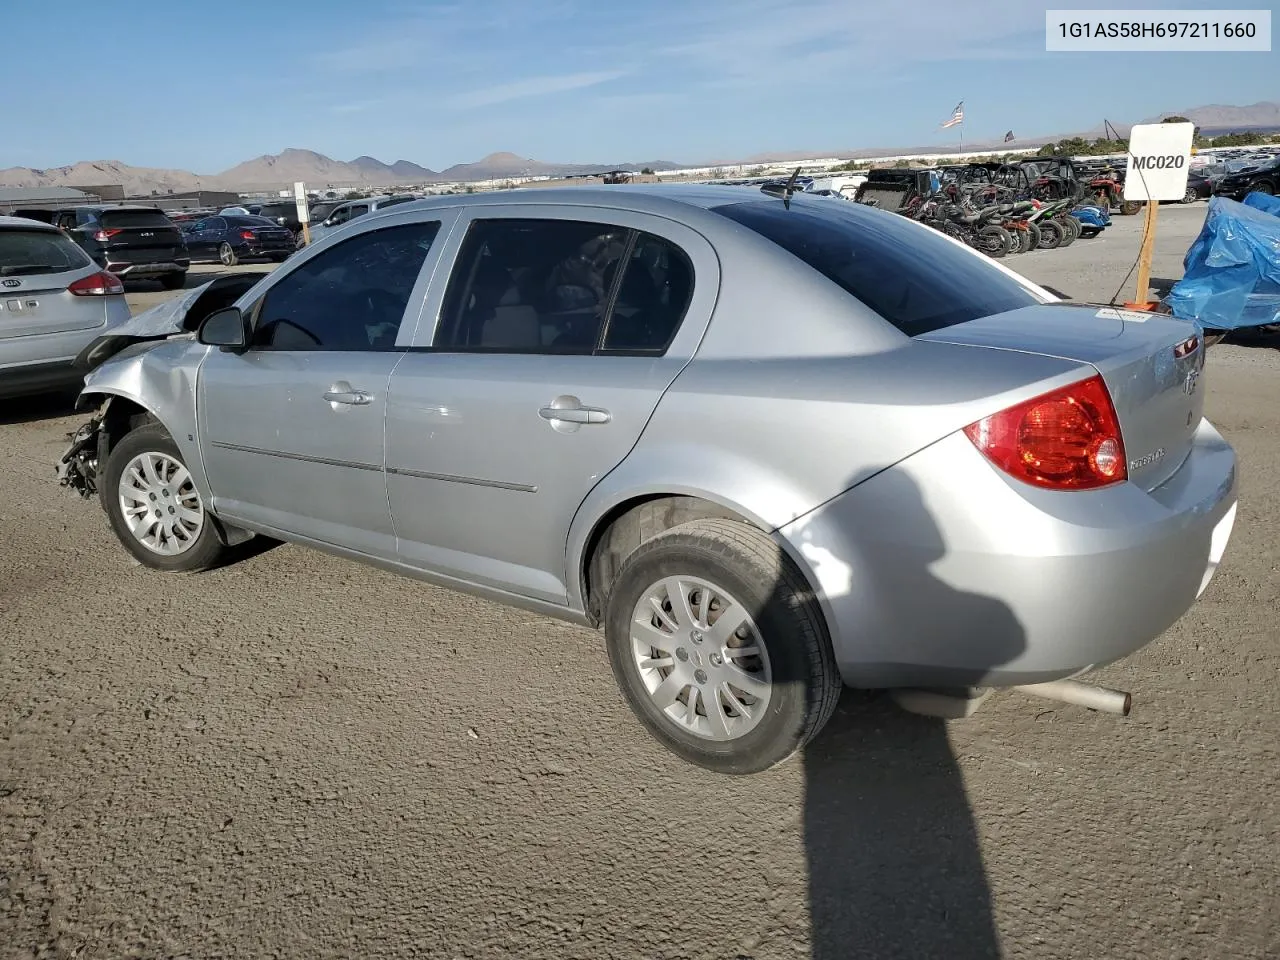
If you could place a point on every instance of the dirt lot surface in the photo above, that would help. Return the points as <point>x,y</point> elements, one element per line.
<point>302,757</point>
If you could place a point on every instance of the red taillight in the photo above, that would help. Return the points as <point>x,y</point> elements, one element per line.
<point>102,236</point>
<point>1068,439</point>
<point>246,234</point>
<point>100,284</point>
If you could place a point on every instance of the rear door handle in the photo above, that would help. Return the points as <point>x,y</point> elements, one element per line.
<point>575,414</point>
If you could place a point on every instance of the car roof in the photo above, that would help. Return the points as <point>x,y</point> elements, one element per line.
<point>638,198</point>
<point>22,223</point>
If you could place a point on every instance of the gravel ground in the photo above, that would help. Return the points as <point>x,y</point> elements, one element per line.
<point>298,756</point>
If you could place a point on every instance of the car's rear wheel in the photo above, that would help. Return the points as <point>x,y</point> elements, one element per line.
<point>227,255</point>
<point>720,648</point>
<point>1190,196</point>
<point>173,281</point>
<point>154,506</point>
<point>1264,186</point>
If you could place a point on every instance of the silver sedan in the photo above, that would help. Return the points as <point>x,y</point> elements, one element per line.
<point>769,444</point>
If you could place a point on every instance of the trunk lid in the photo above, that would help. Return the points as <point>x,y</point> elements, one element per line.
<point>272,234</point>
<point>1151,364</point>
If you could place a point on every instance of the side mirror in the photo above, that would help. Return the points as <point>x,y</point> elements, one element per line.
<point>225,328</point>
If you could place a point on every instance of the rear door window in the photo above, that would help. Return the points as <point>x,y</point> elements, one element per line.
<point>32,252</point>
<point>912,276</point>
<point>531,286</point>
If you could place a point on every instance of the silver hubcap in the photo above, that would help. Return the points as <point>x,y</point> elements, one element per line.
<point>699,654</point>
<point>160,504</point>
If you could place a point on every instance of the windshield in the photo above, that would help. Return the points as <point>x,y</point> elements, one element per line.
<point>29,252</point>
<point>910,275</point>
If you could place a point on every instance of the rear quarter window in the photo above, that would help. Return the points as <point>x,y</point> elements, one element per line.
<point>913,277</point>
<point>33,252</point>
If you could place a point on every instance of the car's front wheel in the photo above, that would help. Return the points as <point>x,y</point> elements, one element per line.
<point>720,647</point>
<point>154,506</point>
<point>227,255</point>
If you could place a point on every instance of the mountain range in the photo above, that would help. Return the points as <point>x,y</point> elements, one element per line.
<point>281,170</point>
<point>273,171</point>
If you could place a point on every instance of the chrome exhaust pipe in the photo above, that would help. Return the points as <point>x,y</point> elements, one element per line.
<point>1082,695</point>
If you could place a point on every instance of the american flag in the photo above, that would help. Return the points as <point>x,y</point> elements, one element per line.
<point>957,115</point>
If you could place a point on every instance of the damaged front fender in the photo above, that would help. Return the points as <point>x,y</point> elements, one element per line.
<point>180,316</point>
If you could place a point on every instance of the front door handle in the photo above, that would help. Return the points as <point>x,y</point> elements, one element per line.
<point>344,394</point>
<point>569,410</point>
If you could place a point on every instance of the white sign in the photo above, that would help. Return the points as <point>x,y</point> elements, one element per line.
<point>300,197</point>
<point>1159,160</point>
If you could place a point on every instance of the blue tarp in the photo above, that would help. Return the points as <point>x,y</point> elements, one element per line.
<point>1263,201</point>
<point>1232,270</point>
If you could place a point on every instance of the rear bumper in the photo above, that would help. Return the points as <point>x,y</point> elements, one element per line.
<point>942,571</point>
<point>267,249</point>
<point>159,267</point>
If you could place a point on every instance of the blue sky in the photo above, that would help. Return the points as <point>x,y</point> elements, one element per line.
<point>203,86</point>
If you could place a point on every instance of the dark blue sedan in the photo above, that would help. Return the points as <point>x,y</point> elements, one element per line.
<point>230,238</point>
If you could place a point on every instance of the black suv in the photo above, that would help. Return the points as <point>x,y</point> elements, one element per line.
<point>283,212</point>
<point>132,242</point>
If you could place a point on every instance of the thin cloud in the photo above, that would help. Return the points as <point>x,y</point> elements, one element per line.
<point>533,87</point>
<point>359,106</point>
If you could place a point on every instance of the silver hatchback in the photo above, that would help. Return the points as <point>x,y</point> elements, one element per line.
<point>770,444</point>
<point>54,300</point>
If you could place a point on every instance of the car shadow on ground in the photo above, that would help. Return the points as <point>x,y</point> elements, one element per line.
<point>45,406</point>
<point>894,860</point>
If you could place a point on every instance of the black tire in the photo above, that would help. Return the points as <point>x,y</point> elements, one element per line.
<point>174,281</point>
<point>1130,207</point>
<point>994,241</point>
<point>1019,241</point>
<point>205,550</point>
<point>1264,187</point>
<point>1076,227</point>
<point>1190,196</point>
<point>1087,233</point>
<point>1033,234</point>
<point>1050,234</point>
<point>1070,230</point>
<point>227,255</point>
<point>748,565</point>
